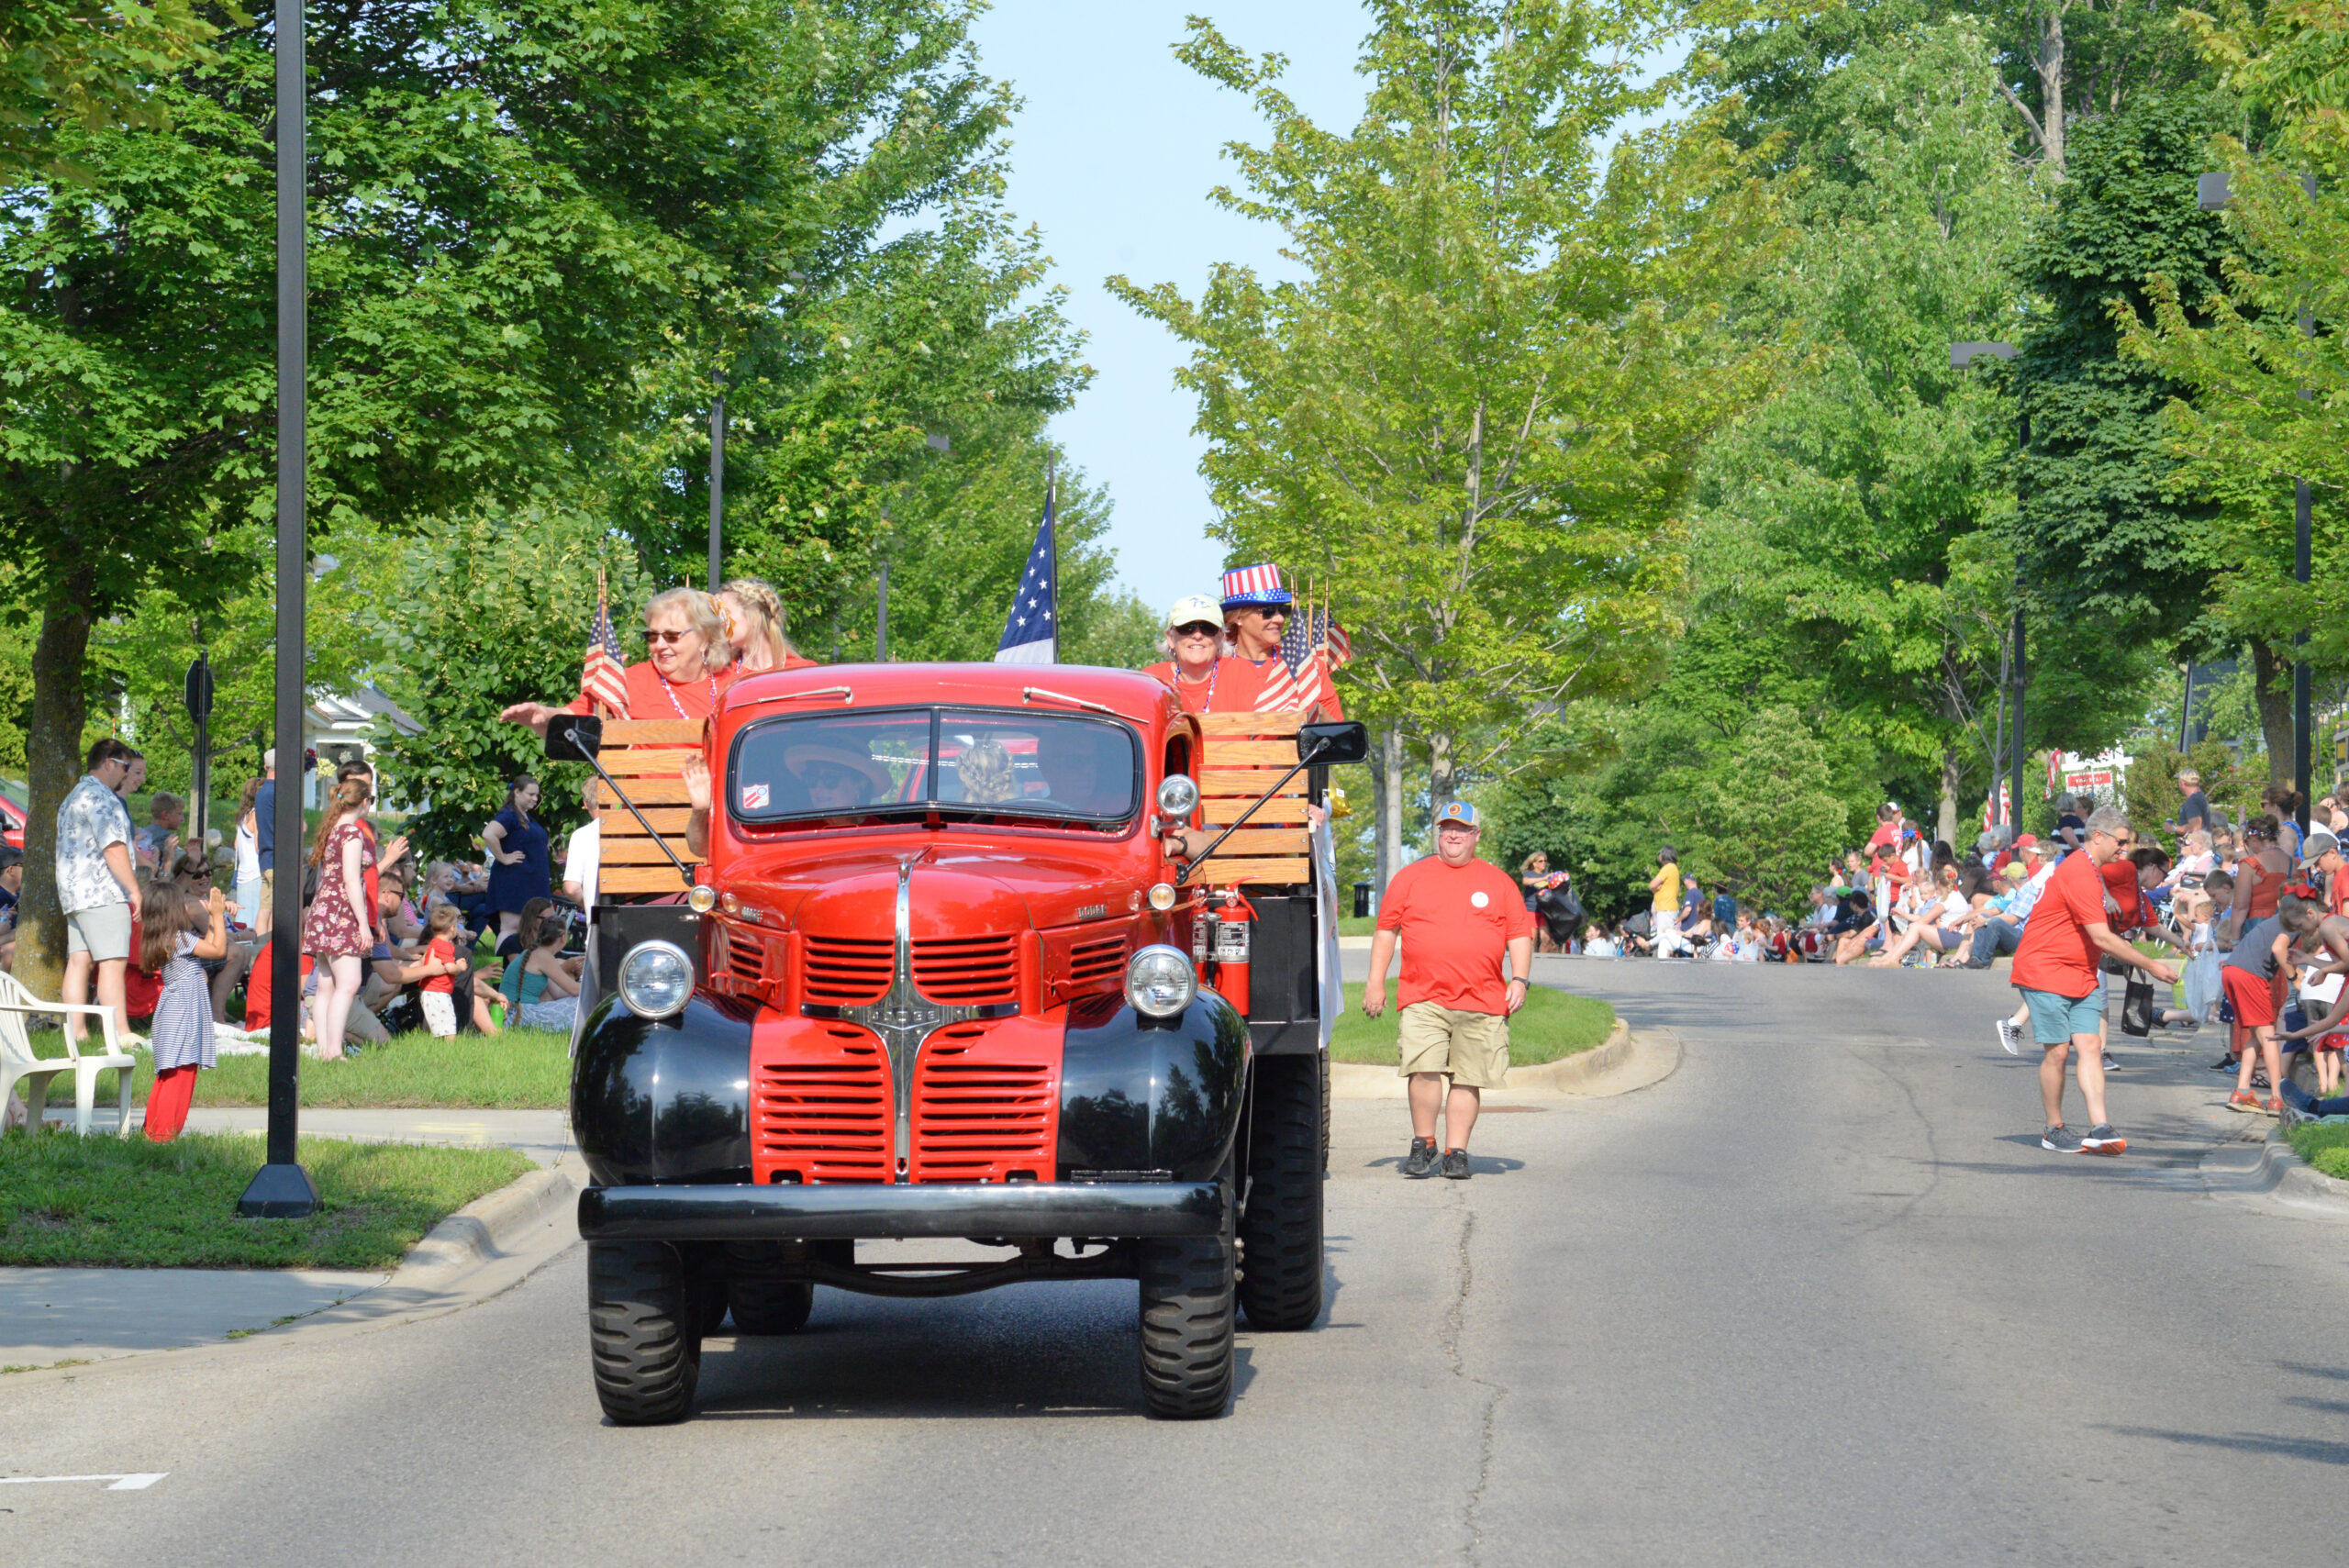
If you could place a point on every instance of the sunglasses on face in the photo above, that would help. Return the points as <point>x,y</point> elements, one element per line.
<point>1199,628</point>
<point>652,637</point>
<point>830,778</point>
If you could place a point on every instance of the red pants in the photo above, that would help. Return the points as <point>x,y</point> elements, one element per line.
<point>167,1102</point>
<point>2254,998</point>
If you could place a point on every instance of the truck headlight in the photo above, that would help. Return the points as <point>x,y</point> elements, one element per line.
<point>1159,982</point>
<point>656,979</point>
<point>1178,795</point>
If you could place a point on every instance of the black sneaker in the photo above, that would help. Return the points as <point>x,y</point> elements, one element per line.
<point>2101,1140</point>
<point>2062,1140</point>
<point>2110,1064</point>
<point>1456,1164</point>
<point>2226,1064</point>
<point>1422,1159</point>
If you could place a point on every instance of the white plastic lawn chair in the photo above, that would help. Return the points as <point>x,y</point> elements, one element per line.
<point>18,1064</point>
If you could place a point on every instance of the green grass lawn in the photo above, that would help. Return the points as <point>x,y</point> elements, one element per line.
<point>1551,1024</point>
<point>125,1203</point>
<point>519,1070</point>
<point>2326,1148</point>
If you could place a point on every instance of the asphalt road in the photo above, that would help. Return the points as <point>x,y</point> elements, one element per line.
<point>1818,1298</point>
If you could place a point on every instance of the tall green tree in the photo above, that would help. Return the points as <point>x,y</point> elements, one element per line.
<point>2260,371</point>
<point>519,213</point>
<point>1859,515</point>
<point>2111,536</point>
<point>1477,413</point>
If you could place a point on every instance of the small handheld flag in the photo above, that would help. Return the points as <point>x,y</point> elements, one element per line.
<point>603,678</point>
<point>1030,631</point>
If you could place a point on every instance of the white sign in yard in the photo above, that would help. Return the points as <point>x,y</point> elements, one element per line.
<point>134,1483</point>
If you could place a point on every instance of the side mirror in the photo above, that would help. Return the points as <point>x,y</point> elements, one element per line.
<point>1323,744</point>
<point>578,737</point>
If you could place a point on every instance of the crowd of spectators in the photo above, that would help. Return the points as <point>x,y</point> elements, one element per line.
<point>178,946</point>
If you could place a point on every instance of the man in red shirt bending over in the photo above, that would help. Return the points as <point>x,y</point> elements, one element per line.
<point>2055,970</point>
<point>1456,916</point>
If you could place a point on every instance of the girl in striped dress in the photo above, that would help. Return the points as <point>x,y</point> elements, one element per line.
<point>182,1033</point>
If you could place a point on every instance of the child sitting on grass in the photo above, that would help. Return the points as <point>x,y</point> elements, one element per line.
<point>436,993</point>
<point>181,1032</point>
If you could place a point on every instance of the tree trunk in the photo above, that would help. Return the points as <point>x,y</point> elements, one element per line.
<point>1382,810</point>
<point>1444,772</point>
<point>2271,676</point>
<point>1952,779</point>
<point>2050,86</point>
<point>1389,806</point>
<point>52,763</point>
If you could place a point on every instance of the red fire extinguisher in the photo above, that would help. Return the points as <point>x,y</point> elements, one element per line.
<point>1228,946</point>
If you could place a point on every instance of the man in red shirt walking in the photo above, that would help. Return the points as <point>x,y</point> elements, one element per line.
<point>2055,970</point>
<point>1456,915</point>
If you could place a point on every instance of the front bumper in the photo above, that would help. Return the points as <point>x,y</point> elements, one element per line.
<point>1013,1211</point>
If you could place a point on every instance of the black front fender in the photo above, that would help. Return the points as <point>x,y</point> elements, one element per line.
<point>1141,1095</point>
<point>666,1100</point>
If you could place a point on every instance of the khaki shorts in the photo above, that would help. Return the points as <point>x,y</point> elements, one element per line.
<point>1471,1048</point>
<point>104,932</point>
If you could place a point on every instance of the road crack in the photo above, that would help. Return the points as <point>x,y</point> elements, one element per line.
<point>1454,1321</point>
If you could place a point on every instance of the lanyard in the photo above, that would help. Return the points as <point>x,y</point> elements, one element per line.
<point>1214,670</point>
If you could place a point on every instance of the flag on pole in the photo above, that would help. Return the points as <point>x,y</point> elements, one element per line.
<point>1030,632</point>
<point>1303,642</point>
<point>603,678</point>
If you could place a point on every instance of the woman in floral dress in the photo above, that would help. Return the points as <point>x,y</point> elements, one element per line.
<point>336,930</point>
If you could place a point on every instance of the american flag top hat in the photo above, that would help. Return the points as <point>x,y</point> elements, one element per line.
<point>1254,586</point>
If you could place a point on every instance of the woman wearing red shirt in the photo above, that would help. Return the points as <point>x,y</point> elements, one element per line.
<point>690,666</point>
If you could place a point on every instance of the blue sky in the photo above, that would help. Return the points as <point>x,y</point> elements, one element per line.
<point>1112,159</point>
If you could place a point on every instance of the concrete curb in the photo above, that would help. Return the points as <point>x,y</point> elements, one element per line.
<point>514,1221</point>
<point>484,1249</point>
<point>2269,1174</point>
<point>1625,1062</point>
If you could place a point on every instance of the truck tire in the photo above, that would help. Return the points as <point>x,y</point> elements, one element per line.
<point>763,1305</point>
<point>642,1340</point>
<point>1280,1234</point>
<point>1188,1295</point>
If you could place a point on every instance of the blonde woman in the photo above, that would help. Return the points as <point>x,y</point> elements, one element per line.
<point>690,664</point>
<point>752,611</point>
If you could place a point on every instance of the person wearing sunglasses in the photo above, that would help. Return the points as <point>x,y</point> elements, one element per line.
<point>2055,969</point>
<point>1255,678</point>
<point>1194,646</point>
<point>688,663</point>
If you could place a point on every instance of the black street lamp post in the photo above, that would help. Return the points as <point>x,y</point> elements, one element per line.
<point>1961,356</point>
<point>2211,194</point>
<point>281,1189</point>
<point>717,478</point>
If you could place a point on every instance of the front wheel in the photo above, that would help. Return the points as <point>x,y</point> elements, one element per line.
<point>641,1338</point>
<point>1188,1298</point>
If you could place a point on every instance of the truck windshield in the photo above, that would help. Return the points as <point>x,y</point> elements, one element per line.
<point>968,761</point>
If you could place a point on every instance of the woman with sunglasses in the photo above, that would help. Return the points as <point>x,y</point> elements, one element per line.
<point>1194,644</point>
<point>689,663</point>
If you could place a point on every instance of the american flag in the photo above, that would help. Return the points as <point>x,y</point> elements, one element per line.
<point>1030,634</point>
<point>1312,645</point>
<point>603,678</point>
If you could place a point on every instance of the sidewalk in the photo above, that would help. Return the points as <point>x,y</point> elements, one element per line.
<point>48,1315</point>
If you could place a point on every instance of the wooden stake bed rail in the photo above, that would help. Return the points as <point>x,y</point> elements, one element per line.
<point>646,755</point>
<point>1243,754</point>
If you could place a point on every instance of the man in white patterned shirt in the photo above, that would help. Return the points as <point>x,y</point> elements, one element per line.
<point>97,885</point>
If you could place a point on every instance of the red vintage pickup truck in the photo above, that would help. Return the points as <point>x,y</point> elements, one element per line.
<point>942,975</point>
